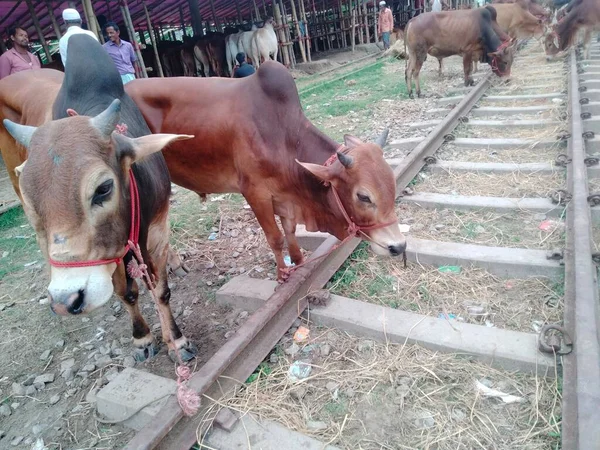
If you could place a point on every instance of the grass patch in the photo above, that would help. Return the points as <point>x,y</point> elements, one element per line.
<point>18,245</point>
<point>337,98</point>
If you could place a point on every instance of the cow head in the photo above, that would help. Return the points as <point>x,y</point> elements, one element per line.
<point>551,43</point>
<point>75,194</point>
<point>502,58</point>
<point>366,187</point>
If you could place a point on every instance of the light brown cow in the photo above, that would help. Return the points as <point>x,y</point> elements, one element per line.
<point>517,21</point>
<point>530,5</point>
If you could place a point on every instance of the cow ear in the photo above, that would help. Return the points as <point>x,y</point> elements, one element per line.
<point>323,173</point>
<point>144,146</point>
<point>351,141</point>
<point>19,169</point>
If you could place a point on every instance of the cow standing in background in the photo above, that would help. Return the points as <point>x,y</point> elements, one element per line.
<point>87,190</point>
<point>582,15</point>
<point>517,20</point>
<point>467,33</point>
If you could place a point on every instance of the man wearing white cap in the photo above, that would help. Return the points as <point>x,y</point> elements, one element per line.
<point>73,22</point>
<point>386,24</point>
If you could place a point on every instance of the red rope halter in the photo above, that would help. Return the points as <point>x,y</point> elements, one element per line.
<point>134,233</point>
<point>494,63</point>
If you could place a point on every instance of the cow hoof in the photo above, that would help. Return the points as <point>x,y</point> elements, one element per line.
<point>410,95</point>
<point>419,95</point>
<point>181,271</point>
<point>147,352</point>
<point>186,353</point>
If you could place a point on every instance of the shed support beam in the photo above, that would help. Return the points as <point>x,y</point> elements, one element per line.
<point>53,19</point>
<point>131,30</point>
<point>38,29</point>
<point>196,17</point>
<point>153,40</point>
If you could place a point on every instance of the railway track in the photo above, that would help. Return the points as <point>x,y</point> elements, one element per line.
<point>526,153</point>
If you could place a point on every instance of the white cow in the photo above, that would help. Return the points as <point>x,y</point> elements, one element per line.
<point>264,43</point>
<point>231,49</point>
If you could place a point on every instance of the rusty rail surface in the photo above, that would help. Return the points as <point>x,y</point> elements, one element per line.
<point>235,361</point>
<point>581,368</point>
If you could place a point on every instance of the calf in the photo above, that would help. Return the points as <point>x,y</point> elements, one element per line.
<point>88,192</point>
<point>468,33</point>
<point>266,149</point>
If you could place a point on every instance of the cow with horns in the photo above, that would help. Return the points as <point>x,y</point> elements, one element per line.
<point>98,200</point>
<point>580,15</point>
<point>266,149</point>
<point>469,33</point>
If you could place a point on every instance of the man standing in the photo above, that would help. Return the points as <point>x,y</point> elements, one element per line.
<point>386,24</point>
<point>73,23</point>
<point>122,53</point>
<point>18,58</point>
<point>244,69</point>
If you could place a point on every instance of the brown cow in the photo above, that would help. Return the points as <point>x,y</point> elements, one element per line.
<point>447,33</point>
<point>530,5</point>
<point>517,21</point>
<point>78,187</point>
<point>266,149</point>
<point>583,15</point>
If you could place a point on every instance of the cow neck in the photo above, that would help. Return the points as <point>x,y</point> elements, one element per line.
<point>134,233</point>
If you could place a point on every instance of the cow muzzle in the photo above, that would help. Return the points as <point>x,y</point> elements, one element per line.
<point>388,241</point>
<point>80,290</point>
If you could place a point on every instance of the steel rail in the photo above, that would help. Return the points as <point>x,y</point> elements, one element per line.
<point>581,372</point>
<point>235,361</point>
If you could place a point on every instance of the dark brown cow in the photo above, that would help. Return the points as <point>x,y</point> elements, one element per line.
<point>516,20</point>
<point>583,15</point>
<point>442,34</point>
<point>78,191</point>
<point>252,137</point>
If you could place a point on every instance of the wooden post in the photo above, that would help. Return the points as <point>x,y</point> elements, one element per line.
<point>307,36</point>
<point>93,21</point>
<point>298,33</point>
<point>131,31</point>
<point>342,25</point>
<point>280,35</point>
<point>53,20</point>
<point>153,41</point>
<point>214,14</point>
<point>38,29</point>
<point>375,17</point>
<point>265,9</point>
<point>239,11</point>
<point>196,18</point>
<point>353,29</point>
<point>256,11</point>
<point>109,11</point>
<point>181,19</point>
<point>288,35</point>
<point>366,20</point>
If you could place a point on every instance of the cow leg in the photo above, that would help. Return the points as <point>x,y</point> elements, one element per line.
<point>440,60</point>
<point>289,229</point>
<point>417,72</point>
<point>468,66</point>
<point>408,76</point>
<point>178,345</point>
<point>262,205</point>
<point>143,341</point>
<point>587,40</point>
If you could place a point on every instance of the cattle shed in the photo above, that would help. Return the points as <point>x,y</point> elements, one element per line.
<point>160,27</point>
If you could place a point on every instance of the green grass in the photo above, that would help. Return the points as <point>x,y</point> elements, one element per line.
<point>336,99</point>
<point>348,273</point>
<point>17,242</point>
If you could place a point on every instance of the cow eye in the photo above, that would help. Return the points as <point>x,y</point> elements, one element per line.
<point>102,193</point>
<point>363,198</point>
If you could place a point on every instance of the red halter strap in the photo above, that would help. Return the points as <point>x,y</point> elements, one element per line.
<point>134,232</point>
<point>494,64</point>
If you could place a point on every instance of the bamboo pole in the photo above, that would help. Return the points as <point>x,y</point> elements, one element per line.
<point>288,35</point>
<point>265,8</point>
<point>239,11</point>
<point>153,41</point>
<point>307,35</point>
<point>109,11</point>
<point>375,17</point>
<point>298,33</point>
<point>38,29</point>
<point>366,20</point>
<point>129,24</point>
<point>93,21</point>
<point>342,25</point>
<point>86,14</point>
<point>256,11</point>
<point>53,19</point>
<point>196,18</point>
<point>353,29</point>
<point>214,14</point>
<point>181,19</point>
<point>281,35</point>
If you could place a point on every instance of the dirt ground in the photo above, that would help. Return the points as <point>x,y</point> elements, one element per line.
<point>220,239</point>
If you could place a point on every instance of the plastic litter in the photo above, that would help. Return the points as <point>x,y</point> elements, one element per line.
<point>449,316</point>
<point>449,269</point>
<point>546,225</point>
<point>212,236</point>
<point>299,370</point>
<point>404,228</point>
<point>489,392</point>
<point>301,334</point>
<point>288,261</point>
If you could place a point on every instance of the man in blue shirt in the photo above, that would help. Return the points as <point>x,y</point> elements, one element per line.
<point>244,69</point>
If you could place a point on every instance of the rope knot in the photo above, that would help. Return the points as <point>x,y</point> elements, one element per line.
<point>188,399</point>
<point>136,270</point>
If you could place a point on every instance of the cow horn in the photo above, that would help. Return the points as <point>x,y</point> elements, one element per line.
<point>107,120</point>
<point>21,133</point>
<point>382,139</point>
<point>346,160</point>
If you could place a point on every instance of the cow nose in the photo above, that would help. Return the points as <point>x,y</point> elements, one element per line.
<point>73,303</point>
<point>397,249</point>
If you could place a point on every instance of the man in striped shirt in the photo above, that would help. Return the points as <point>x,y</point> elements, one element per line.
<point>386,24</point>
